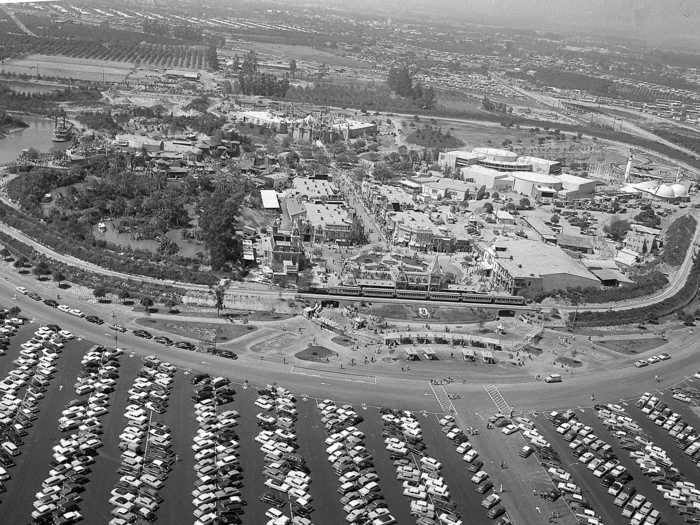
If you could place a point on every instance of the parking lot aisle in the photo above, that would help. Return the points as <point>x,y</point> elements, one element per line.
<point>456,475</point>
<point>519,477</point>
<point>95,506</point>
<point>398,504</point>
<point>640,481</point>
<point>324,483</point>
<point>250,455</point>
<point>177,492</point>
<point>663,439</point>
<point>33,463</point>
<point>596,495</point>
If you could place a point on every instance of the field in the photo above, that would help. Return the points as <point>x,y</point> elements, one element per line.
<point>224,332</point>
<point>443,314</point>
<point>287,52</point>
<point>67,67</point>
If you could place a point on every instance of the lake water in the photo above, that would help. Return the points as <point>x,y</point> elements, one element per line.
<point>188,248</point>
<point>38,136</point>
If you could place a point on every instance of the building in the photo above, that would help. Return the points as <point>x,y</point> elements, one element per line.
<point>446,189</point>
<point>500,160</point>
<point>528,268</point>
<point>180,74</point>
<point>492,179</point>
<point>542,230</point>
<point>327,223</point>
<point>576,243</point>
<point>314,189</point>
<point>536,185</point>
<point>269,199</point>
<point>641,240</point>
<point>282,252</point>
<point>458,159</point>
<point>503,217</point>
<point>544,166</point>
<point>351,129</point>
<point>574,187</point>
<point>416,230</point>
<point>265,119</point>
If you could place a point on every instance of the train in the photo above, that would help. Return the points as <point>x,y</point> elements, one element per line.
<point>423,295</point>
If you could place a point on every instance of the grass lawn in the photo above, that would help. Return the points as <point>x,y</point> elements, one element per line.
<point>443,314</point>
<point>256,315</point>
<point>632,346</point>
<point>224,332</point>
<point>343,340</point>
<point>316,353</point>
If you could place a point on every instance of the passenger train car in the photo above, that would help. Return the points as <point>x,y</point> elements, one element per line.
<point>424,295</point>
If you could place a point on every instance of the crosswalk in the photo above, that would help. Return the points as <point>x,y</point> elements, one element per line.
<point>498,399</point>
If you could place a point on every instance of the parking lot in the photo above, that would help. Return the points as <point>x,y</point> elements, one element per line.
<point>627,468</point>
<point>98,488</point>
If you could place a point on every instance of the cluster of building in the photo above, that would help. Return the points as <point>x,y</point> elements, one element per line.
<point>327,128</point>
<point>503,170</point>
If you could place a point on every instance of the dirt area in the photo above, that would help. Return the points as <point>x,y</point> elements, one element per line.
<point>278,345</point>
<point>316,353</point>
<point>66,67</point>
<point>224,332</point>
<point>632,346</point>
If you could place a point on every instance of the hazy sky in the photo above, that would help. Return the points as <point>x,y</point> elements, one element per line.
<point>653,20</point>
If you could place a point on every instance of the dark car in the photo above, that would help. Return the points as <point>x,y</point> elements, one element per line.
<point>185,345</point>
<point>484,487</point>
<point>34,295</point>
<point>50,302</point>
<point>163,340</point>
<point>495,512</point>
<point>143,333</point>
<point>94,319</point>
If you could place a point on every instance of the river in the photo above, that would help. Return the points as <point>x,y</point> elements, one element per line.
<point>38,136</point>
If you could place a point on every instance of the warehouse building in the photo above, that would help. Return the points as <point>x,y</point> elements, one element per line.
<point>500,159</point>
<point>494,180</point>
<point>450,189</point>
<point>528,268</point>
<point>314,189</point>
<point>574,187</point>
<point>458,159</point>
<point>536,185</point>
<point>544,166</point>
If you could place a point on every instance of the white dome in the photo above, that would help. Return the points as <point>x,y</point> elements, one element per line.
<point>665,192</point>
<point>679,190</point>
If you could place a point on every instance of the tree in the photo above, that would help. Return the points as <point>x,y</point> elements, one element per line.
<point>99,292</point>
<point>617,229</point>
<point>481,192</point>
<point>525,203</point>
<point>219,294</point>
<point>495,196</point>
<point>218,223</point>
<point>554,219</point>
<point>146,301</point>
<point>488,208</point>
<point>58,277</point>
<point>292,68</point>
<point>41,268</point>
<point>124,294</point>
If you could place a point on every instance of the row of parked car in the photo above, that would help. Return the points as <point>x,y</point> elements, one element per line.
<point>146,445</point>
<point>598,457</point>
<point>8,328</point>
<point>358,482</point>
<point>654,462</point>
<point>287,478</point>
<point>558,472</point>
<point>483,484</point>
<point>23,388</point>
<point>145,334</point>
<point>59,498</point>
<point>420,475</point>
<point>684,435</point>
<point>641,363</point>
<point>217,493</point>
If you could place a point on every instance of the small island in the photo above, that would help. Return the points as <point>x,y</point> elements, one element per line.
<point>9,123</point>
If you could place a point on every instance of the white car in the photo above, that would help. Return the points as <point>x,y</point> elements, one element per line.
<point>63,308</point>
<point>22,290</point>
